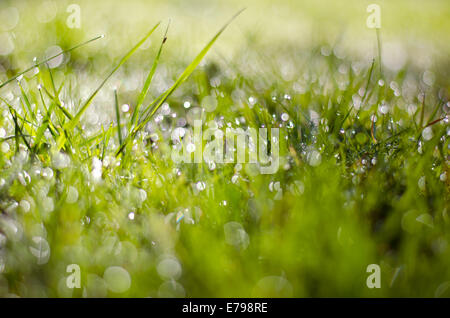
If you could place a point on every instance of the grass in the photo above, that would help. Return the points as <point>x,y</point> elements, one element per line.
<point>363,175</point>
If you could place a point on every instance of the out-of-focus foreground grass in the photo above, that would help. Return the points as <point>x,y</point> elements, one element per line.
<point>364,151</point>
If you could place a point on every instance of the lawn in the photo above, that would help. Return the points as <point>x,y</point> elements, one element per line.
<point>103,194</point>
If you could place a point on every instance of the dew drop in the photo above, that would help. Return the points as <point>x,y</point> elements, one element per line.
<point>201,185</point>
<point>427,133</point>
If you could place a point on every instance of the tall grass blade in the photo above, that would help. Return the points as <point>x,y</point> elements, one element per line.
<point>188,71</point>
<point>148,81</point>
<point>119,130</point>
<point>49,59</point>
<point>71,124</point>
<point>153,107</point>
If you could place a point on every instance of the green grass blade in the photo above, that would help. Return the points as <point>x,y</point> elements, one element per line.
<point>53,98</point>
<point>106,137</point>
<point>71,124</point>
<point>435,110</point>
<point>153,107</point>
<point>188,71</point>
<point>422,112</point>
<point>49,59</point>
<point>45,123</point>
<point>148,81</point>
<point>27,102</point>
<point>119,130</point>
<point>18,130</point>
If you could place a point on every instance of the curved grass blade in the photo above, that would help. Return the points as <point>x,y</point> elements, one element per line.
<point>119,130</point>
<point>18,130</point>
<point>148,81</point>
<point>53,98</point>
<point>71,124</point>
<point>153,107</point>
<point>188,71</point>
<point>45,123</point>
<point>106,137</point>
<point>49,59</point>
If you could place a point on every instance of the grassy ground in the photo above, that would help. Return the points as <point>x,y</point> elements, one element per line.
<point>364,150</point>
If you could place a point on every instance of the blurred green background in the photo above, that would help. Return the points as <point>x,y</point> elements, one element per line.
<point>420,27</point>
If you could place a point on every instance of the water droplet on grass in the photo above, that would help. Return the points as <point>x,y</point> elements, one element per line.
<point>5,147</point>
<point>47,204</point>
<point>40,249</point>
<point>314,158</point>
<point>427,133</point>
<point>117,279</point>
<point>190,147</point>
<point>425,219</point>
<point>171,289</point>
<point>24,178</point>
<point>72,195</point>
<point>56,61</point>
<point>421,183</point>
<point>125,108</point>
<point>201,186</point>
<point>383,109</point>
<point>209,103</point>
<point>169,268</point>
<point>60,160</point>
<point>25,205</point>
<point>236,235</point>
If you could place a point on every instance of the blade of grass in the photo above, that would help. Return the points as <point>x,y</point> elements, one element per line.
<point>65,112</point>
<point>434,122</point>
<point>119,130</point>
<point>345,118</point>
<point>106,138</point>
<point>368,81</point>
<point>422,112</point>
<point>435,110</point>
<point>13,136</point>
<point>45,124</point>
<point>379,51</point>
<point>186,73</point>
<point>148,81</point>
<point>373,130</point>
<point>56,93</point>
<point>71,124</point>
<point>18,129</point>
<point>24,120</point>
<point>363,100</point>
<point>49,59</point>
<point>27,101</point>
